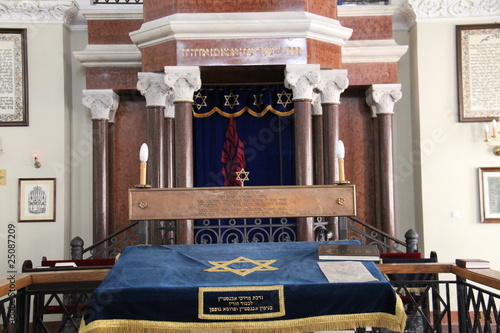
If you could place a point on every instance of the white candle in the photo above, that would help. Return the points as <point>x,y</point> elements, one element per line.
<point>486,130</point>
<point>494,125</point>
<point>340,156</point>
<point>143,157</point>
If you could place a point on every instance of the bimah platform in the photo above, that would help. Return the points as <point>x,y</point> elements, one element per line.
<point>264,287</point>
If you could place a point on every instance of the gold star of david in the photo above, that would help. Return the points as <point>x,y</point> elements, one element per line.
<point>203,99</point>
<point>245,176</point>
<point>257,100</point>
<point>234,99</point>
<point>288,98</point>
<point>260,266</point>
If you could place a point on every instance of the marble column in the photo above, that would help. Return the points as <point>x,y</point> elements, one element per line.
<point>333,82</point>
<point>102,103</point>
<point>381,99</point>
<point>152,86</point>
<point>317,132</point>
<point>183,81</point>
<point>302,79</point>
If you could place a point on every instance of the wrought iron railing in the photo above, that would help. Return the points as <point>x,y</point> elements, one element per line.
<point>431,305</point>
<point>216,231</point>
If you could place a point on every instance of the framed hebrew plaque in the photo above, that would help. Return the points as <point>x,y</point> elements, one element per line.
<point>37,199</point>
<point>13,78</point>
<point>489,192</point>
<point>478,69</point>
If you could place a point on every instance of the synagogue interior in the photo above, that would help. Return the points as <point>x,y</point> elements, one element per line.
<point>266,125</point>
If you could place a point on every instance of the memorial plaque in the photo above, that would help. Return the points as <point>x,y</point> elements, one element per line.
<point>241,202</point>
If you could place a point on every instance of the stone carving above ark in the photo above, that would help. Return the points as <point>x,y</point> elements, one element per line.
<point>425,9</point>
<point>38,11</point>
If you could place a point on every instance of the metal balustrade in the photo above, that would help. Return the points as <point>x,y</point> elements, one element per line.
<point>468,304</point>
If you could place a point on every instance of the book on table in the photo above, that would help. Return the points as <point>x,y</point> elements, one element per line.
<point>472,263</point>
<point>363,252</point>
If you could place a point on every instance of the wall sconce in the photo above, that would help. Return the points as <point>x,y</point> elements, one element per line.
<point>37,162</point>
<point>492,140</point>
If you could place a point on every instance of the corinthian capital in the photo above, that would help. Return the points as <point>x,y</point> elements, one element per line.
<point>332,83</point>
<point>184,81</point>
<point>153,87</point>
<point>382,97</point>
<point>101,102</point>
<point>302,79</point>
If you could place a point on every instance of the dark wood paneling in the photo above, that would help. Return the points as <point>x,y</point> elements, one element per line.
<point>112,31</point>
<point>130,134</point>
<point>368,27</point>
<point>116,78</point>
<point>356,131</point>
<point>372,73</point>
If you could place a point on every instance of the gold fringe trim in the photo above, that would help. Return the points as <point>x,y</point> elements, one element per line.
<point>395,322</point>
<point>245,109</point>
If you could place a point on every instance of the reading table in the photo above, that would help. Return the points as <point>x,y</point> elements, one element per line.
<point>265,287</point>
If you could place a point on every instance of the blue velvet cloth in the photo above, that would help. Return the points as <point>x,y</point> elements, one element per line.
<point>161,283</point>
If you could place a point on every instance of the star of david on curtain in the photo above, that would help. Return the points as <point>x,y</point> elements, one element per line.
<point>255,119</point>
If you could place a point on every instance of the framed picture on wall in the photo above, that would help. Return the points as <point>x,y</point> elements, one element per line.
<point>13,78</point>
<point>37,199</point>
<point>489,193</point>
<point>478,71</point>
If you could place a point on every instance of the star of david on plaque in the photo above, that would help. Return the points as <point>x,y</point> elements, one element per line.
<point>245,176</point>
<point>259,266</point>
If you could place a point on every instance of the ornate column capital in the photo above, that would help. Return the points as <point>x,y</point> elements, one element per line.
<point>169,105</point>
<point>382,97</point>
<point>101,102</point>
<point>332,83</point>
<point>184,81</point>
<point>302,79</point>
<point>317,109</point>
<point>38,11</point>
<point>153,87</point>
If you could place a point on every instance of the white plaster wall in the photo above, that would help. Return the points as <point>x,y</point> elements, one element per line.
<point>80,153</point>
<point>451,152</point>
<point>48,136</point>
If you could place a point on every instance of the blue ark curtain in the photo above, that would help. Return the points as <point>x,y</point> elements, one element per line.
<point>263,124</point>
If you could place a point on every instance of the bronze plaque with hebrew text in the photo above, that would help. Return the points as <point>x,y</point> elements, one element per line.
<point>241,202</point>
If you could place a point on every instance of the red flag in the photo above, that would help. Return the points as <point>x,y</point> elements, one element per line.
<point>233,155</point>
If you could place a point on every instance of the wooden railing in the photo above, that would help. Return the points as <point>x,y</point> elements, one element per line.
<point>475,303</point>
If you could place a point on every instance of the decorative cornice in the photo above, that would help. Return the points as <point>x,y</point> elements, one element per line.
<point>366,10</point>
<point>302,79</point>
<point>112,12</point>
<point>38,11</point>
<point>418,10</point>
<point>243,25</point>
<point>106,55</point>
<point>381,50</point>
